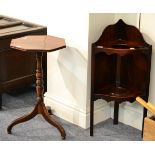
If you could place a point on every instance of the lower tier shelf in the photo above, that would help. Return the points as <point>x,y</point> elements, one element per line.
<point>113,93</point>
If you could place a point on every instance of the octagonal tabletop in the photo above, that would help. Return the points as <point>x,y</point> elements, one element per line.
<point>38,43</point>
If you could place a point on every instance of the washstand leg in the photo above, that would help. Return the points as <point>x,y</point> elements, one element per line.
<point>0,101</point>
<point>116,112</point>
<point>144,115</point>
<point>92,118</point>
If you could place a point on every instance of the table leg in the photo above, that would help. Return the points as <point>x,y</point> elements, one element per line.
<point>92,118</point>
<point>40,91</point>
<point>144,115</point>
<point>53,122</point>
<point>116,112</point>
<point>23,119</point>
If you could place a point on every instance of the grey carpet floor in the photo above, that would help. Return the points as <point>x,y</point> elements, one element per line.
<point>22,101</point>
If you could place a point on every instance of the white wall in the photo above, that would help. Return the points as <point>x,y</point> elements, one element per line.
<point>69,88</point>
<point>129,18</point>
<point>148,30</point>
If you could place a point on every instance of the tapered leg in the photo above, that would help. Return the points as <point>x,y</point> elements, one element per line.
<point>144,115</point>
<point>116,112</point>
<point>0,101</point>
<point>91,118</point>
<point>23,119</point>
<point>53,122</point>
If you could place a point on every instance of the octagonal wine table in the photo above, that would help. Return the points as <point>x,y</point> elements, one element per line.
<point>38,44</point>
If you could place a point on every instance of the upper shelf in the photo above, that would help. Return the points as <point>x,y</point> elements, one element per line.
<point>120,50</point>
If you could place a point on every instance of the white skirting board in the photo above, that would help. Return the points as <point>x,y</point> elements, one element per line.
<point>129,113</point>
<point>73,114</point>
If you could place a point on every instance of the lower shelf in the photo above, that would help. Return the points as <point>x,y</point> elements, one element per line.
<point>113,93</point>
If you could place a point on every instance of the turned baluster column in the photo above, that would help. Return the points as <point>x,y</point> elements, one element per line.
<point>39,78</point>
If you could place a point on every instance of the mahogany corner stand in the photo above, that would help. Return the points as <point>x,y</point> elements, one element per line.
<point>120,68</point>
<point>38,44</point>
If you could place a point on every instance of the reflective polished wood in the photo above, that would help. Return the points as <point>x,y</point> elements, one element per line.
<point>120,67</point>
<point>38,44</point>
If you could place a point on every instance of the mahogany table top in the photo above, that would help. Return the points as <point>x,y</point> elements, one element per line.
<point>38,43</point>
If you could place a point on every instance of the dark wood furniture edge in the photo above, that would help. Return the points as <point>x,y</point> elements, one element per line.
<point>36,29</point>
<point>35,26</point>
<point>147,91</point>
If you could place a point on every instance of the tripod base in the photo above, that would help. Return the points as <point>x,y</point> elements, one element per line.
<point>39,109</point>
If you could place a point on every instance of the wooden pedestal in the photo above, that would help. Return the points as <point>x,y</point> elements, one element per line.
<point>39,45</point>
